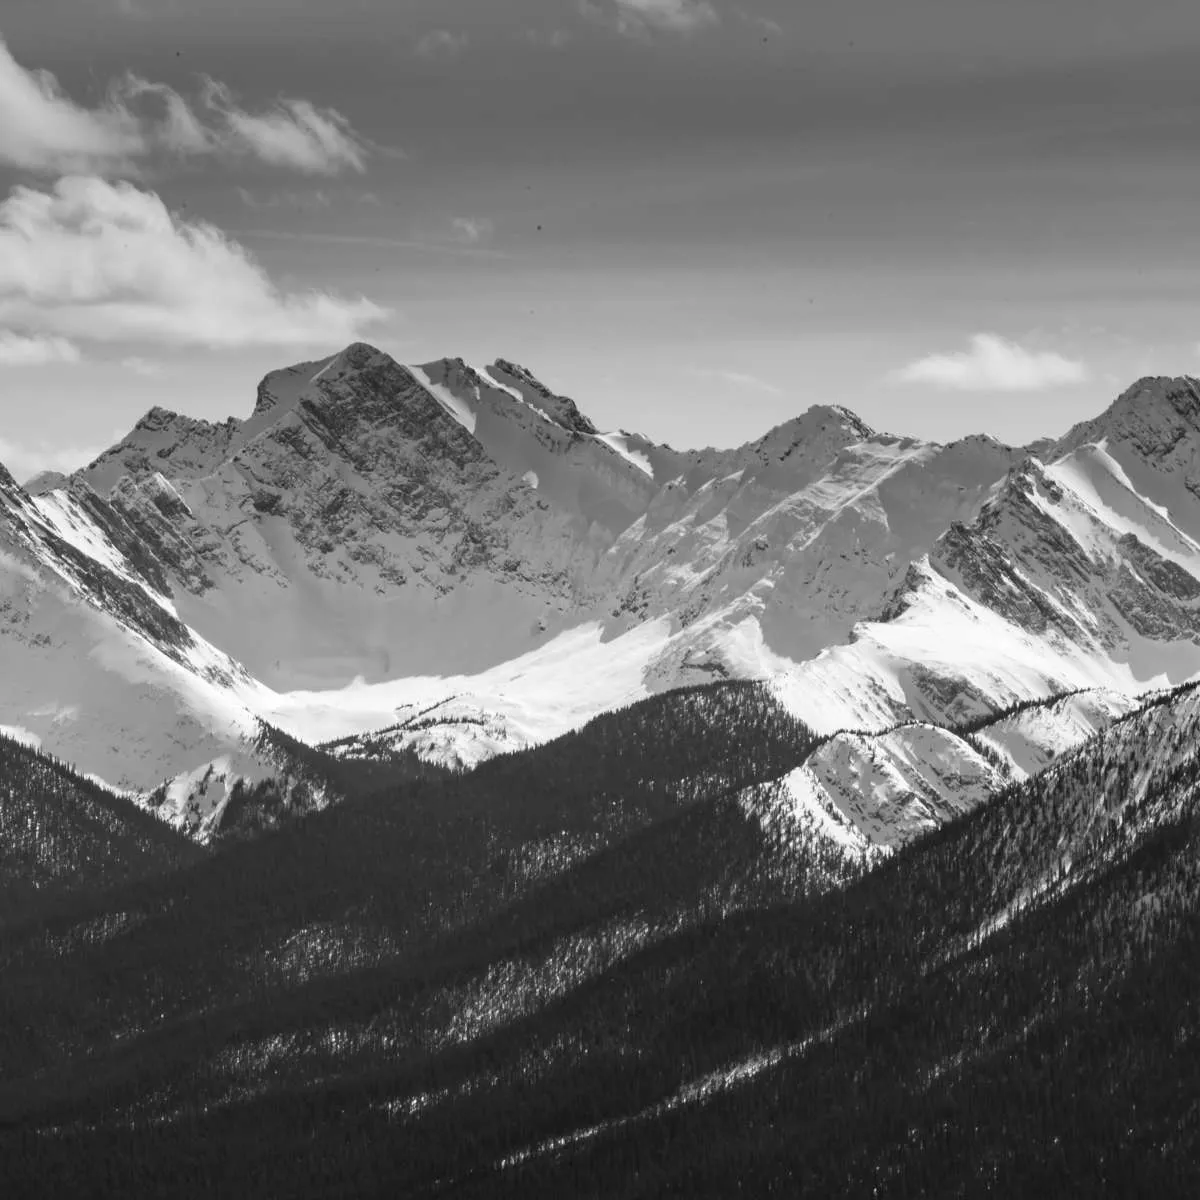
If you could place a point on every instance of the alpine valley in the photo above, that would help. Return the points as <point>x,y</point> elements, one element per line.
<point>410,788</point>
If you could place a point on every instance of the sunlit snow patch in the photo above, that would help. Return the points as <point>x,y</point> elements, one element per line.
<point>458,408</point>
<point>533,698</point>
<point>619,443</point>
<point>18,733</point>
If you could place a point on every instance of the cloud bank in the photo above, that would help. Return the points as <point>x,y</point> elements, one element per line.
<point>994,364</point>
<point>108,262</point>
<point>42,129</point>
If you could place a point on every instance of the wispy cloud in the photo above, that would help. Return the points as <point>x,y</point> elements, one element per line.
<point>318,237</point>
<point>21,350</point>
<point>739,379</point>
<point>994,364</point>
<point>441,43</point>
<point>637,18</point>
<point>294,133</point>
<point>44,129</point>
<point>285,198</point>
<point>91,260</point>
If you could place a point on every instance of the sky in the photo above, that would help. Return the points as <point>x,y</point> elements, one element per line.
<point>696,217</point>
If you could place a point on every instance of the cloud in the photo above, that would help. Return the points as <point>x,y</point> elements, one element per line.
<point>739,379</point>
<point>295,133</point>
<point>436,245</point>
<point>547,39</point>
<point>994,364</point>
<point>40,127</point>
<point>638,18</point>
<point>107,262</point>
<point>20,350</point>
<point>285,199</point>
<point>441,43</point>
<point>26,461</point>
<point>43,129</point>
<point>145,367</point>
<point>471,230</point>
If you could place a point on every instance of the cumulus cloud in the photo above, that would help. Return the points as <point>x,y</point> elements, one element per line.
<point>108,262</point>
<point>20,350</point>
<point>441,43</point>
<point>637,18</point>
<point>994,364</point>
<point>43,129</point>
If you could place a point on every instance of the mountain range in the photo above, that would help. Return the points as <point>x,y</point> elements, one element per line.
<point>454,561</point>
<point>412,790</point>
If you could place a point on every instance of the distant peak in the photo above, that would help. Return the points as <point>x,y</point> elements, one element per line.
<point>1153,415</point>
<point>833,416</point>
<point>522,375</point>
<point>158,418</point>
<point>454,372</point>
<point>1180,394</point>
<point>284,386</point>
<point>361,354</point>
<point>44,482</point>
<point>561,409</point>
<point>839,412</point>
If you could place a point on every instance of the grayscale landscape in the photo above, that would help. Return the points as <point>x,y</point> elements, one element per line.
<point>599,599</point>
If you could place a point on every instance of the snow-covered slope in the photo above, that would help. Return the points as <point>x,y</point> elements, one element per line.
<point>94,661</point>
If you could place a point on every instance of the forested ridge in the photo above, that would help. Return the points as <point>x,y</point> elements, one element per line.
<point>587,970</point>
<point>62,832</point>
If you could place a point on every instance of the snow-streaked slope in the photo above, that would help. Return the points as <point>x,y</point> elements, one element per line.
<point>622,443</point>
<point>460,559</point>
<point>872,792</point>
<point>101,695</point>
<point>893,787</point>
<point>454,404</point>
<point>461,720</point>
<point>1029,741</point>
<point>808,535</point>
<point>527,431</point>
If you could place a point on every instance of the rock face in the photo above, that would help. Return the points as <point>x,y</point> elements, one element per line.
<point>323,538</point>
<point>458,557</point>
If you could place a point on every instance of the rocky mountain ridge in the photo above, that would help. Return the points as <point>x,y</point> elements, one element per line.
<point>458,557</point>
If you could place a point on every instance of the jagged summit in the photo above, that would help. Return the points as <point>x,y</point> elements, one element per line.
<point>561,409</point>
<point>817,433</point>
<point>1153,415</point>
